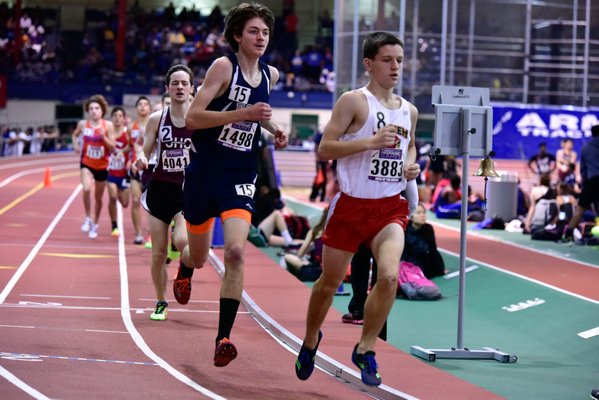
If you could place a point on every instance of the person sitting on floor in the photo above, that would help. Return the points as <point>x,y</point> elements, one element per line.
<point>269,219</point>
<point>421,245</point>
<point>541,195</point>
<point>447,203</point>
<point>306,263</point>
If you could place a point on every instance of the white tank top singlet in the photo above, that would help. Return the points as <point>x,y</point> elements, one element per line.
<point>375,174</point>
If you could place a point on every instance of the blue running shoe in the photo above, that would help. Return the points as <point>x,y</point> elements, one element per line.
<point>304,365</point>
<point>367,365</point>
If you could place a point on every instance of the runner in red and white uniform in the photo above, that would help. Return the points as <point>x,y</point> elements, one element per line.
<point>371,134</point>
<point>137,132</point>
<point>118,167</point>
<point>91,138</point>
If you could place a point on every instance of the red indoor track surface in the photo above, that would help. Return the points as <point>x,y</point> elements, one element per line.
<point>75,314</point>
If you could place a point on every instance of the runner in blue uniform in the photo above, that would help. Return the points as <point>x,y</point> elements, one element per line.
<point>228,115</point>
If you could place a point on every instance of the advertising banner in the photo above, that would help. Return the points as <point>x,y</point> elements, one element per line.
<point>518,131</point>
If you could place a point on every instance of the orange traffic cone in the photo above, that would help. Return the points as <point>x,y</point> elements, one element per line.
<point>47,178</point>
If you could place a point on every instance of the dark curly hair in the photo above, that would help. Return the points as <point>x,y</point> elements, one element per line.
<point>97,98</point>
<point>239,15</point>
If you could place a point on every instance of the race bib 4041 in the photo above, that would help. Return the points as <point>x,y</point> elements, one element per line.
<point>175,160</point>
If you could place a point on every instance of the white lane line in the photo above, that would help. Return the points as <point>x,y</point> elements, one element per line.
<point>526,278</point>
<point>520,246</point>
<point>137,338</point>
<point>52,328</point>
<point>23,267</point>
<point>25,304</point>
<point>56,296</point>
<point>191,301</point>
<point>22,385</point>
<point>39,357</point>
<point>457,273</point>
<point>42,161</point>
<point>18,326</point>
<point>34,171</point>
<point>589,333</point>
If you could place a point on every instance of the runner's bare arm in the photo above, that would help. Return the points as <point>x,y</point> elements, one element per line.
<point>149,140</point>
<point>75,136</point>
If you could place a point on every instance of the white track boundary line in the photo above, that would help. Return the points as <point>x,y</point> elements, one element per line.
<point>292,343</point>
<point>22,385</point>
<point>15,278</point>
<point>28,163</point>
<point>481,236</point>
<point>526,278</point>
<point>33,171</point>
<point>135,335</point>
<point>25,264</point>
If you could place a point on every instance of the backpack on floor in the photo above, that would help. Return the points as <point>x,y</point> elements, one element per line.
<point>298,226</point>
<point>256,237</point>
<point>413,285</point>
<point>545,213</point>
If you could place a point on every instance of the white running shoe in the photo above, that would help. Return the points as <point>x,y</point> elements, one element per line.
<point>93,231</point>
<point>87,223</point>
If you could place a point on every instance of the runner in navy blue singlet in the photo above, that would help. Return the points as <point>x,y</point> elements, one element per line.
<point>229,114</point>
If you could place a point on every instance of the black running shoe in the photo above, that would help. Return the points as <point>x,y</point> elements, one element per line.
<point>304,365</point>
<point>367,364</point>
<point>595,394</point>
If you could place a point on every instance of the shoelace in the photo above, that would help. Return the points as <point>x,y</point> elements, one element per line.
<point>304,357</point>
<point>371,366</point>
<point>160,309</point>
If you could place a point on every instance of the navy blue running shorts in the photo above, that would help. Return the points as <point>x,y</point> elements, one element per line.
<point>208,195</point>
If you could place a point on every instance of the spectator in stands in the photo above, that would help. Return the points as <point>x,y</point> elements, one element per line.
<point>9,142</point>
<point>37,138</point>
<point>542,163</point>
<point>52,138</point>
<point>589,173</point>
<point>20,142</point>
<point>291,22</point>
<point>564,157</point>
